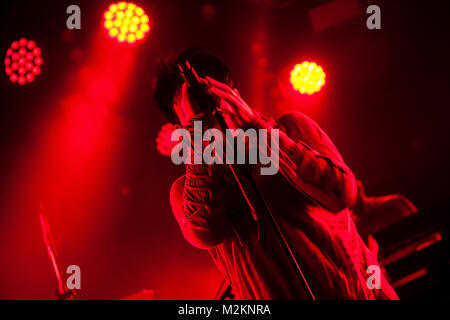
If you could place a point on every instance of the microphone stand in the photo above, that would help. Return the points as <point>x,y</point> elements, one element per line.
<point>198,91</point>
<point>62,292</point>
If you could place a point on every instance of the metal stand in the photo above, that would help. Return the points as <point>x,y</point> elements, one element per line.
<point>264,208</point>
<point>62,292</point>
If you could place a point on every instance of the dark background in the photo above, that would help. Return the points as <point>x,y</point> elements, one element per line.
<point>385,105</point>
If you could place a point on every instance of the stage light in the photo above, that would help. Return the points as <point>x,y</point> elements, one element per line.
<point>307,77</point>
<point>126,22</point>
<point>23,61</point>
<point>164,144</point>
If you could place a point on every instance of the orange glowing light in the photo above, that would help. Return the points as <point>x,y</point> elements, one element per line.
<point>307,77</point>
<point>126,22</point>
<point>23,61</point>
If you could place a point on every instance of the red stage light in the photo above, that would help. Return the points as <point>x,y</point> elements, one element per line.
<point>307,77</point>
<point>126,22</point>
<point>164,144</point>
<point>23,60</point>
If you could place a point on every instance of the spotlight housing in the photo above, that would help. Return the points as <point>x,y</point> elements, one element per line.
<point>307,77</point>
<point>164,144</point>
<point>126,22</point>
<point>23,61</point>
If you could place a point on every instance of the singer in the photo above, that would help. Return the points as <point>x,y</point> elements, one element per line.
<point>309,196</point>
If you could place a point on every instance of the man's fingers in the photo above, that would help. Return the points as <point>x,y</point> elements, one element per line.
<point>240,108</point>
<point>232,100</point>
<point>225,92</point>
<point>226,108</point>
<point>236,106</point>
<point>220,85</point>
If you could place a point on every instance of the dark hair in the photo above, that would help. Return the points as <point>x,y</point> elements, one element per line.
<point>169,81</point>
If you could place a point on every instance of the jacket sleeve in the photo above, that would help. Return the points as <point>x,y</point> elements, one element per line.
<point>198,210</point>
<point>312,164</point>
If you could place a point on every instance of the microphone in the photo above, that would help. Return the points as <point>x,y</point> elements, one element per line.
<point>198,91</point>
